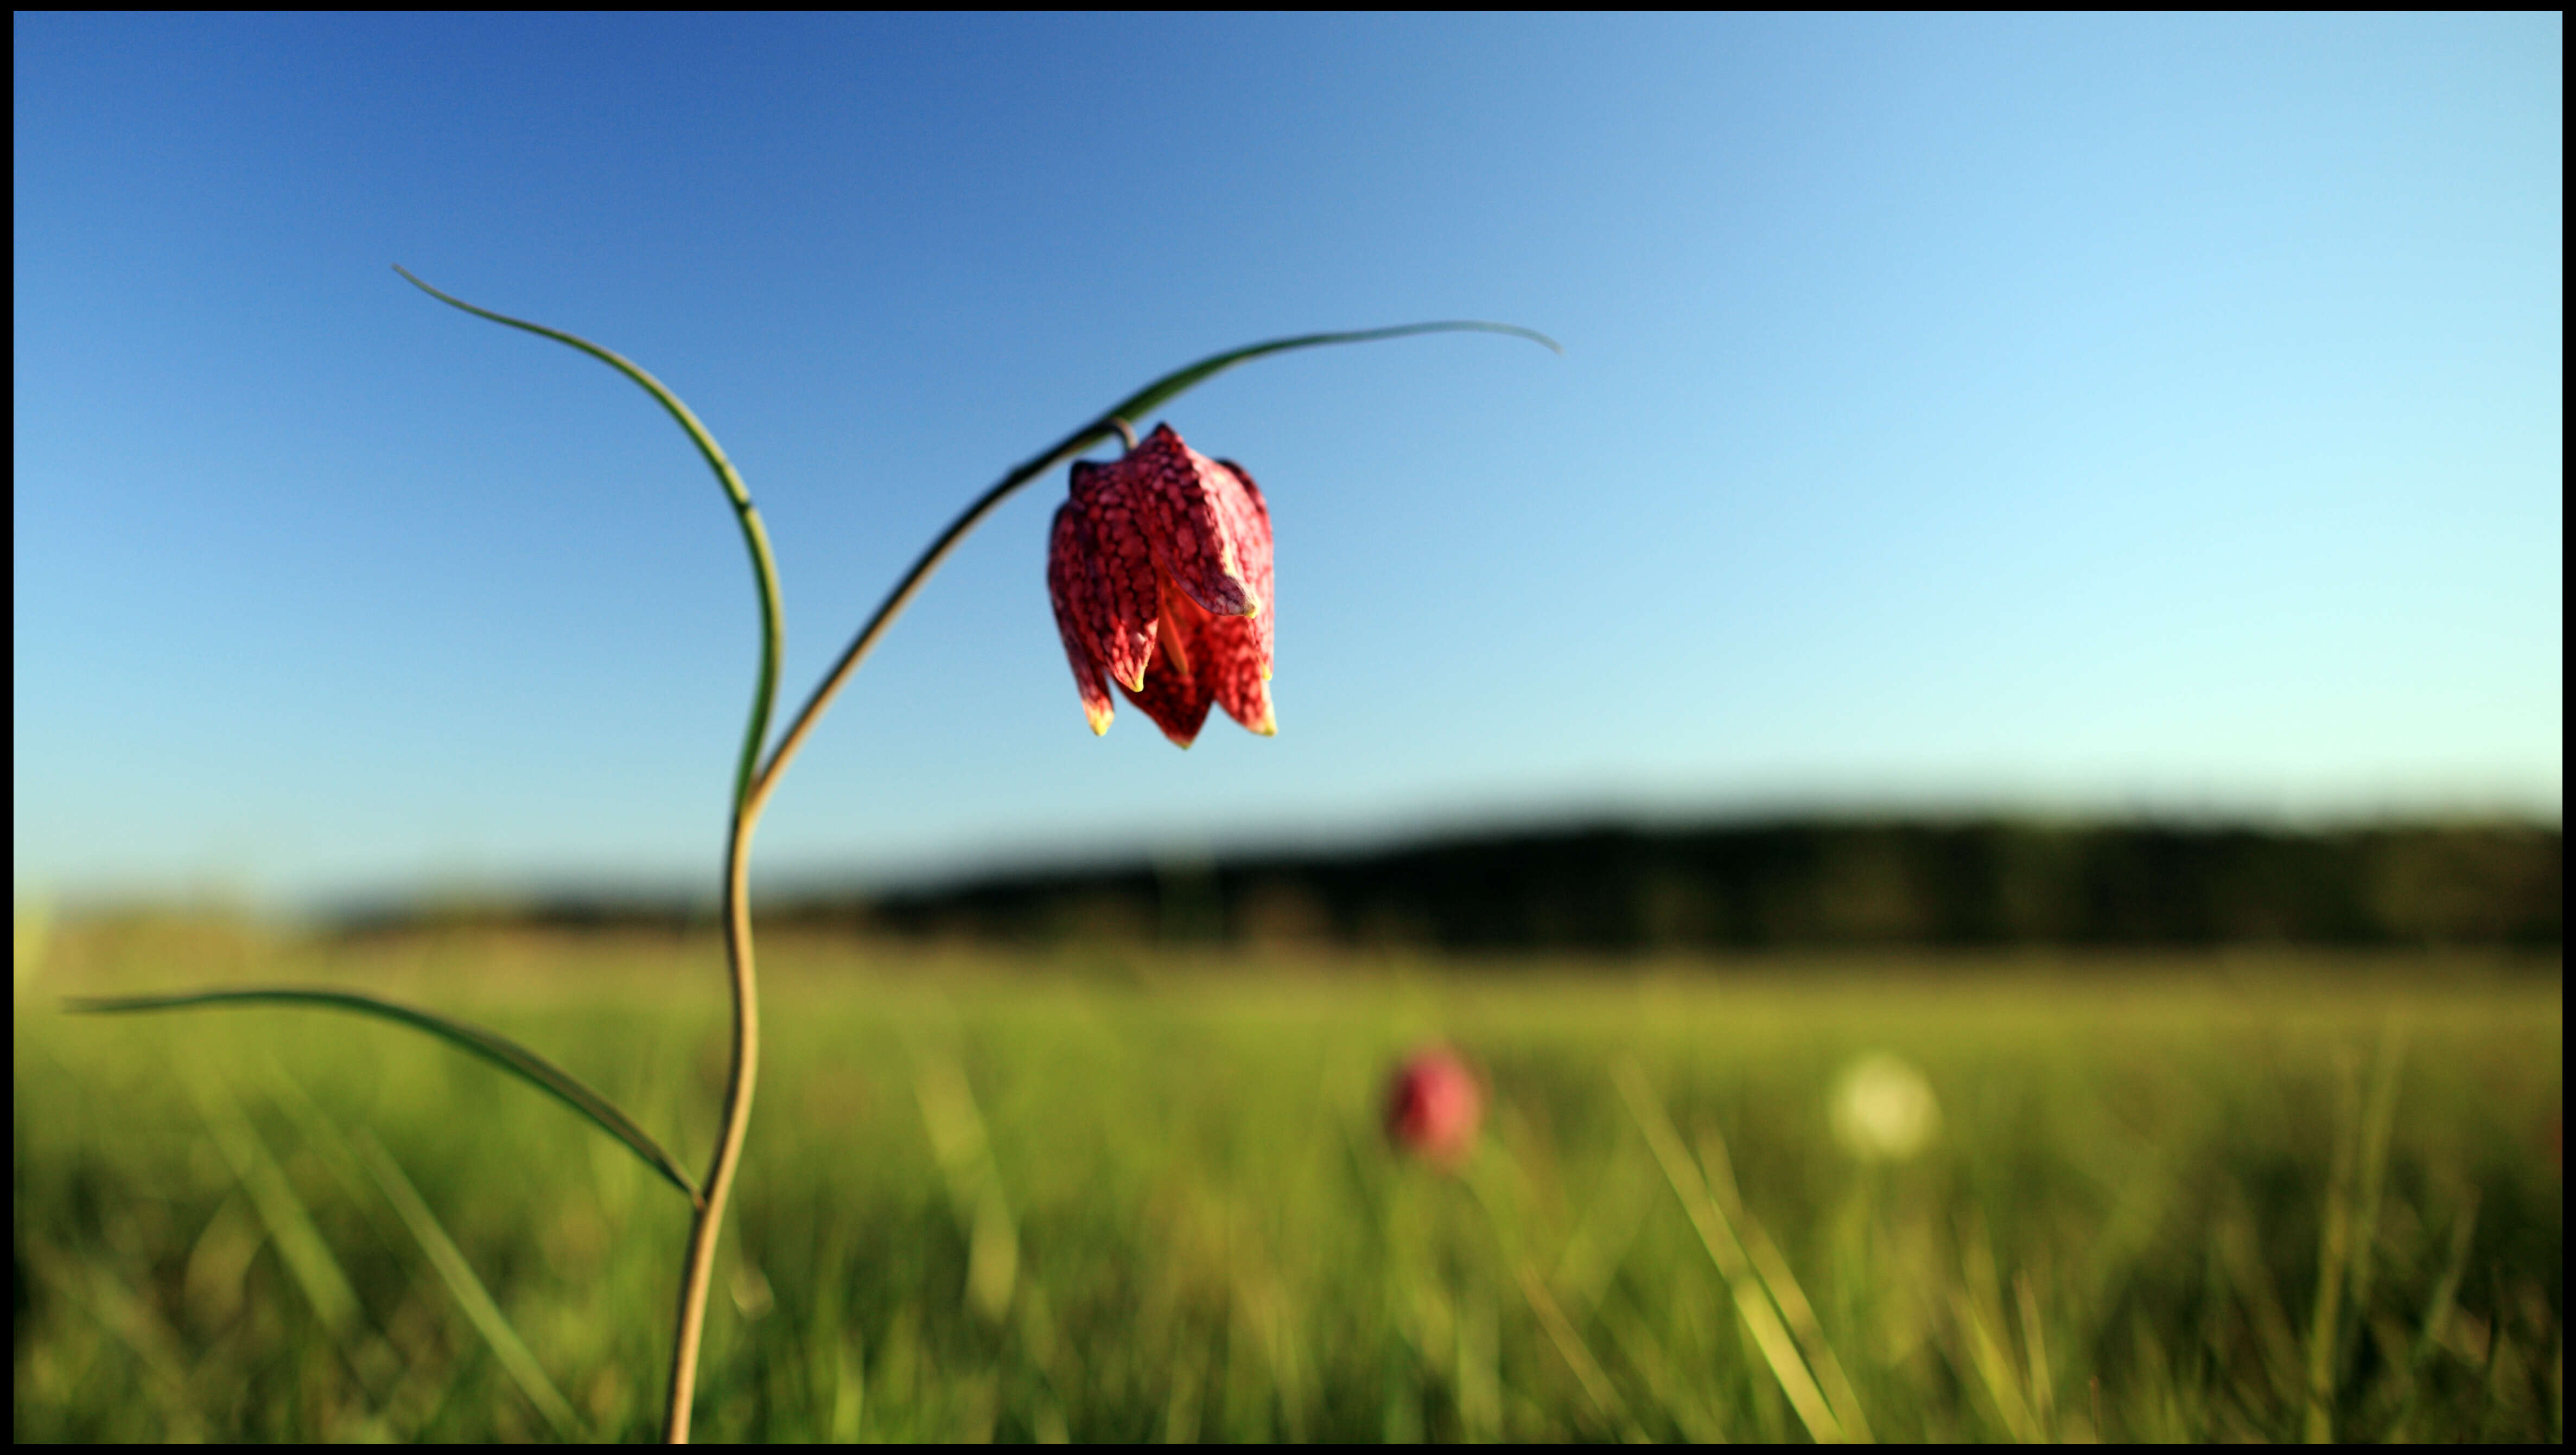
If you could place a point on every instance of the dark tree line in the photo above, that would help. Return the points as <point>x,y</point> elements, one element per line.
<point>1792,883</point>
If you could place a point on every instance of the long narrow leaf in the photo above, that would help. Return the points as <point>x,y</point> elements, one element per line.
<point>1180,381</point>
<point>1191,376</point>
<point>492,1046</point>
<point>755,535</point>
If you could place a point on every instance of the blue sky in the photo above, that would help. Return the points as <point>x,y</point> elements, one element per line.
<point>2046,416</point>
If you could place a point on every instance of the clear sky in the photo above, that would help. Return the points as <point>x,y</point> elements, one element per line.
<point>2041,415</point>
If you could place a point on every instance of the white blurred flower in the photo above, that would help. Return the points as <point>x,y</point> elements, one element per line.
<point>1883,1109</point>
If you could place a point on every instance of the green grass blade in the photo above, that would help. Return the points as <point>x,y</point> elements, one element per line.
<point>2334,1253</point>
<point>492,1046</point>
<point>1718,1166</point>
<point>2436,1321</point>
<point>469,1292</point>
<point>300,1245</point>
<point>2378,1130</point>
<point>1752,1302</point>
<point>1994,1365</point>
<point>378,1171</point>
<point>965,1155</point>
<point>1570,1347</point>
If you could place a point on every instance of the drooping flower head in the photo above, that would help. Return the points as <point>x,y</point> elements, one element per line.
<point>1433,1106</point>
<point>1159,569</point>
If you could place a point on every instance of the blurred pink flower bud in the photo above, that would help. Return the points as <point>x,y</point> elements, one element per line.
<point>1433,1106</point>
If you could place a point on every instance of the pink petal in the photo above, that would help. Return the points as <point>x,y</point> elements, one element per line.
<point>1160,571</point>
<point>1249,517</point>
<point>1174,696</point>
<point>1230,665</point>
<point>1176,707</point>
<point>1123,587</point>
<point>1067,589</point>
<point>1176,490</point>
<point>1433,1106</point>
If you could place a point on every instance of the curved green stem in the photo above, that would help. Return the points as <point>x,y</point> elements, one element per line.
<point>754,780</point>
<point>707,1221</point>
<point>697,1269</point>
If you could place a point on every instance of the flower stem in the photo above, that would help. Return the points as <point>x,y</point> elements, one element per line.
<point>901,597</point>
<point>707,1222</point>
<point>697,1271</point>
<point>755,797</point>
<point>707,1217</point>
<point>754,780</point>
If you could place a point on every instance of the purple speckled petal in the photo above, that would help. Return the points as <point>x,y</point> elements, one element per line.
<point>1176,490</point>
<point>1124,589</point>
<point>1069,590</point>
<point>1160,572</point>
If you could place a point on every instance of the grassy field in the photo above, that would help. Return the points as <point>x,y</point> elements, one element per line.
<point>1103,1195</point>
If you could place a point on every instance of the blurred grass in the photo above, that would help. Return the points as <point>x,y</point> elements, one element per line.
<point>1112,1195</point>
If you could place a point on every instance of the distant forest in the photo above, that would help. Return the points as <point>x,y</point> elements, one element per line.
<point>1806,883</point>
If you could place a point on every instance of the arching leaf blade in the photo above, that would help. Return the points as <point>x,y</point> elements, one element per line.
<point>755,535</point>
<point>1133,409</point>
<point>1181,380</point>
<point>492,1046</point>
